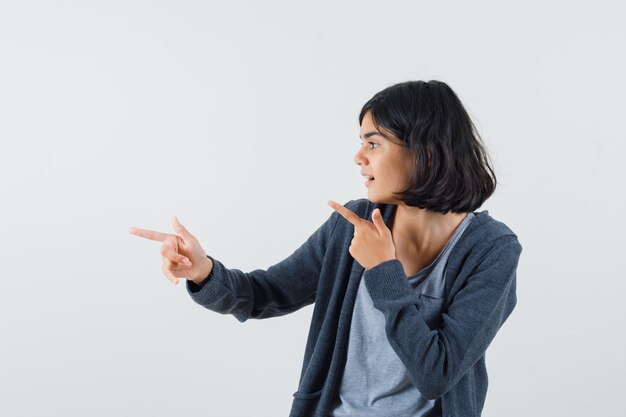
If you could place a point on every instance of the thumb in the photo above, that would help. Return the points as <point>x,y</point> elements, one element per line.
<point>377,218</point>
<point>180,229</point>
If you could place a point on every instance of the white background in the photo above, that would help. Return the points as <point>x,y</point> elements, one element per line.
<point>241,119</point>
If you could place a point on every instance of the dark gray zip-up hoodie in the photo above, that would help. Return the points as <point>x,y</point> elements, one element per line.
<point>447,362</point>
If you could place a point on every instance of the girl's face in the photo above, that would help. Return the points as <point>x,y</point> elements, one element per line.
<point>383,158</point>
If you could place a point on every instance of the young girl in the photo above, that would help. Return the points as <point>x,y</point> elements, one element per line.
<point>410,285</point>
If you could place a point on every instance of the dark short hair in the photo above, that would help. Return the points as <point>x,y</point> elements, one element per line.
<point>452,167</point>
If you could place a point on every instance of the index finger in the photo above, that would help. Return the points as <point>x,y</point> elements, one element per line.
<point>148,234</point>
<point>346,213</point>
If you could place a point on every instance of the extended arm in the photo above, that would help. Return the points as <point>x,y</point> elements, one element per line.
<point>284,288</point>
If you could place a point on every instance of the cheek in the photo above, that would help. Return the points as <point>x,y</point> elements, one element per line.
<point>406,173</point>
<point>409,166</point>
<point>410,169</point>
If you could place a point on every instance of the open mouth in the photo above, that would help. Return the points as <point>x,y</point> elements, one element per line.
<point>368,179</point>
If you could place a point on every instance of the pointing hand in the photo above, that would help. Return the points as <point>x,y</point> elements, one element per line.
<point>372,243</point>
<point>183,257</point>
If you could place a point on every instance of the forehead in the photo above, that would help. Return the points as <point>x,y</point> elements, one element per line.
<point>367,124</point>
<point>369,129</point>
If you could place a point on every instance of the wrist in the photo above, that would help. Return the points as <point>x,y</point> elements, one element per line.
<point>380,262</point>
<point>205,273</point>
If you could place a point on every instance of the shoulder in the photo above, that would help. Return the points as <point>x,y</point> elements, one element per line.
<point>485,227</point>
<point>484,235</point>
<point>487,248</point>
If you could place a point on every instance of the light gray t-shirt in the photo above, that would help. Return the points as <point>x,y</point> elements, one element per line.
<point>375,381</point>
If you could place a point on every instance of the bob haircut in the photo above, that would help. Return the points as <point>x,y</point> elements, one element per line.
<point>452,168</point>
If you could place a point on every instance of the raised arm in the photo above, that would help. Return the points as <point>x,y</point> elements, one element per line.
<point>437,358</point>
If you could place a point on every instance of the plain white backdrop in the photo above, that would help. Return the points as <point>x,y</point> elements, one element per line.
<point>241,119</point>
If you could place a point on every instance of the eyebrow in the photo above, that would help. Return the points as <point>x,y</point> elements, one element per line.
<point>373,133</point>
<point>376,133</point>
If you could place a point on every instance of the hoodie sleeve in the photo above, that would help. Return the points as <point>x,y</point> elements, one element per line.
<point>438,358</point>
<point>281,289</point>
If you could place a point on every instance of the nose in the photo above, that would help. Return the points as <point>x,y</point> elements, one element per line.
<point>359,158</point>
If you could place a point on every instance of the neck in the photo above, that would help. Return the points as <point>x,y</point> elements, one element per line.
<point>424,230</point>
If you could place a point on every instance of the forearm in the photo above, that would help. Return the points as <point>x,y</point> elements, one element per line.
<point>436,358</point>
<point>281,289</point>
<point>259,294</point>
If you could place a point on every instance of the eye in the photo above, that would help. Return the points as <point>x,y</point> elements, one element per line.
<point>372,145</point>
